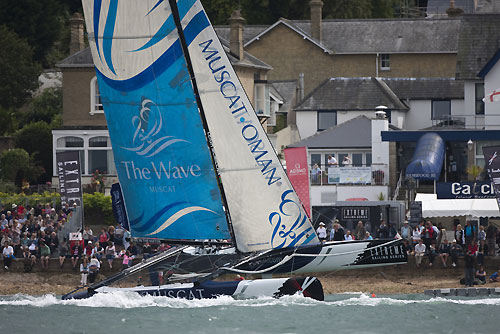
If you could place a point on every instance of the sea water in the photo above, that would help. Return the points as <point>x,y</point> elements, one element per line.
<point>343,313</point>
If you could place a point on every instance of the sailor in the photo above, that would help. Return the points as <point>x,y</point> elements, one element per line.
<point>321,231</point>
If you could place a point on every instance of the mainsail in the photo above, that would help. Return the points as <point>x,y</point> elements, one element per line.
<point>265,210</point>
<point>159,144</point>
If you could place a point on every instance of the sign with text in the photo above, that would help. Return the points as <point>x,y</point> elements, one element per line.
<point>452,190</point>
<point>68,171</point>
<point>492,160</point>
<point>298,173</point>
<point>349,175</point>
<point>356,213</point>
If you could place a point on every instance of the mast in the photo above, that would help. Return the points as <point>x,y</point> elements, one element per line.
<point>177,20</point>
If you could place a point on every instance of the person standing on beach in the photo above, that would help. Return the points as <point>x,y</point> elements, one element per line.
<point>8,255</point>
<point>84,271</point>
<point>469,260</point>
<point>360,231</point>
<point>321,231</point>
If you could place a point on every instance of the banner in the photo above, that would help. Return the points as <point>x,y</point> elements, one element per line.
<point>298,173</point>
<point>453,190</point>
<point>70,181</point>
<point>356,213</point>
<point>492,161</point>
<point>350,175</point>
<point>118,205</point>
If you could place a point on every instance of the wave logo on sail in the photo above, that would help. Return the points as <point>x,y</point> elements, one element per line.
<point>289,236</point>
<point>147,126</point>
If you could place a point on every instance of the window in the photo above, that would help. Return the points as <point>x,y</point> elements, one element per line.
<point>357,159</point>
<point>479,99</point>
<point>368,159</point>
<point>100,155</point>
<point>95,98</point>
<point>326,119</point>
<point>385,61</point>
<point>72,144</point>
<point>262,102</point>
<point>94,148</point>
<point>441,109</point>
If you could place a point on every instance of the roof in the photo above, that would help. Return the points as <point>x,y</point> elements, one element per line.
<point>478,43</point>
<point>354,133</point>
<point>426,88</point>
<point>350,94</point>
<point>367,93</point>
<point>83,58</point>
<point>288,91</point>
<point>489,65</point>
<point>359,36</point>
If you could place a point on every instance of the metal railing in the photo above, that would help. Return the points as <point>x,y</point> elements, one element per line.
<point>375,174</point>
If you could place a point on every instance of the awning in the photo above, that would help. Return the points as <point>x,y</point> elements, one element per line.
<point>479,207</point>
<point>428,158</point>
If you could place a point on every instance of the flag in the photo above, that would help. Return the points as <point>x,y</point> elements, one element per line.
<point>493,96</point>
<point>298,173</point>
<point>492,162</point>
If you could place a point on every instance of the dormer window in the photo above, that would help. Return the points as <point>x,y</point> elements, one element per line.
<point>95,98</point>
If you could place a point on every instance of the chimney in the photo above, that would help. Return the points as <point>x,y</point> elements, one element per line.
<point>76,27</point>
<point>236,40</point>
<point>316,6</point>
<point>454,12</point>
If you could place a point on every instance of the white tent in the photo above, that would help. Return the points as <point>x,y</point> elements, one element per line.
<point>433,207</point>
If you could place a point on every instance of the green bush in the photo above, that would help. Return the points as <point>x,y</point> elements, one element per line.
<point>98,210</point>
<point>97,206</point>
<point>7,199</point>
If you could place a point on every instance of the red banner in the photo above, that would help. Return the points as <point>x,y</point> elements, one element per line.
<point>298,173</point>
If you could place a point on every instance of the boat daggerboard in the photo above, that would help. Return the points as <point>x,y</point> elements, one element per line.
<point>159,145</point>
<point>265,210</point>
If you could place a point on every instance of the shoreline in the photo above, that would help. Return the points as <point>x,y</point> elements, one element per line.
<point>384,280</point>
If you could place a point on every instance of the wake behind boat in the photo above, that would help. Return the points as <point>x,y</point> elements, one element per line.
<point>192,158</point>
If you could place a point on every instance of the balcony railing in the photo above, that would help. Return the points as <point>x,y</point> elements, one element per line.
<point>376,174</point>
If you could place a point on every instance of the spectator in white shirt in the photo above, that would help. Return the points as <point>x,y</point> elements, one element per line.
<point>419,252</point>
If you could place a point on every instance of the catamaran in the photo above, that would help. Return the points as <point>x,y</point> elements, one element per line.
<point>192,158</point>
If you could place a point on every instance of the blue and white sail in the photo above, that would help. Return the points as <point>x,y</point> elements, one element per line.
<point>159,144</point>
<point>265,210</point>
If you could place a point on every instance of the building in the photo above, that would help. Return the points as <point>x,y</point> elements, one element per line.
<point>84,125</point>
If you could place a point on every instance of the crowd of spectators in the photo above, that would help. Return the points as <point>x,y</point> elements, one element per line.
<point>471,242</point>
<point>37,234</point>
<point>433,243</point>
<point>32,233</point>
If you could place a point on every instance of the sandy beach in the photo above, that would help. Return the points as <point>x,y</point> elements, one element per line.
<point>383,280</point>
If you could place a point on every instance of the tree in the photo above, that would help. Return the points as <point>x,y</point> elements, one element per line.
<point>36,139</point>
<point>38,21</point>
<point>18,71</point>
<point>46,107</point>
<point>16,164</point>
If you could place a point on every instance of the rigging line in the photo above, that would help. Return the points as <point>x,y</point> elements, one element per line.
<point>288,257</point>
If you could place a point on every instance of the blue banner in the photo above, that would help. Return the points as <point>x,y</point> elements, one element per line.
<point>118,205</point>
<point>452,190</point>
